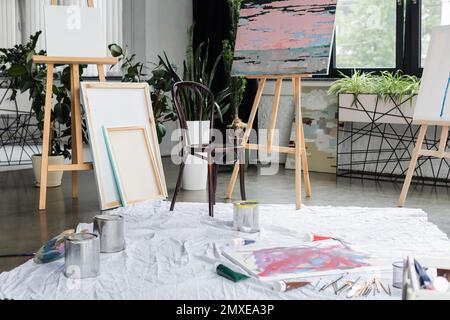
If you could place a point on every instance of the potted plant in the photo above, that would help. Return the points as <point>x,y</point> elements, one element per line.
<point>198,68</point>
<point>237,85</point>
<point>385,98</point>
<point>161,82</point>
<point>25,76</point>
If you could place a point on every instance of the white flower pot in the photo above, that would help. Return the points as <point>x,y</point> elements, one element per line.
<point>371,106</point>
<point>54,179</point>
<point>195,175</point>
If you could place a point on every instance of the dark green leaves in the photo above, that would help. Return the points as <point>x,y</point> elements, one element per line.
<point>116,50</point>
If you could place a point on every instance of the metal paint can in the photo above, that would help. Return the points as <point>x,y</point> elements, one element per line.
<point>111,230</point>
<point>246,216</point>
<point>82,256</point>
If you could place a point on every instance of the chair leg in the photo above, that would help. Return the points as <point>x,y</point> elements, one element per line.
<point>211,189</point>
<point>216,170</point>
<point>177,188</point>
<point>242,175</point>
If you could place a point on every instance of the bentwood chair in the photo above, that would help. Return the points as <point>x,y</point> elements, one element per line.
<point>215,153</point>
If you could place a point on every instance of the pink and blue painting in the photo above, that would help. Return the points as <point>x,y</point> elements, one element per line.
<point>304,260</point>
<point>284,37</point>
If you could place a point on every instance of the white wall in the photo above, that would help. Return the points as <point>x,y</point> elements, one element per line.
<point>152,27</point>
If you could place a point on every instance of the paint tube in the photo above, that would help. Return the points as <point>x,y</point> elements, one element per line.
<point>241,242</point>
<point>283,286</point>
<point>230,274</point>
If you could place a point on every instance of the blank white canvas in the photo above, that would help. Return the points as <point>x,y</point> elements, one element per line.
<point>73,31</point>
<point>115,107</point>
<point>134,168</point>
<point>433,102</point>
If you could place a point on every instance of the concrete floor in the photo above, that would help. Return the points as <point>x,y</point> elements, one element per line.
<point>23,229</point>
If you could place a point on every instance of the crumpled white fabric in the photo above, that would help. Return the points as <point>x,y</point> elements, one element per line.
<point>172,255</point>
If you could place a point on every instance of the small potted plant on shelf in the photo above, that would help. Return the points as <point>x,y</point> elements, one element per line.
<point>25,76</point>
<point>385,98</point>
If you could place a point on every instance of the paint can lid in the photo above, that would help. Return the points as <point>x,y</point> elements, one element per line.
<point>280,286</point>
<point>246,204</point>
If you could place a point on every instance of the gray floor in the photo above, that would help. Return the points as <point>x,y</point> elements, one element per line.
<point>23,229</point>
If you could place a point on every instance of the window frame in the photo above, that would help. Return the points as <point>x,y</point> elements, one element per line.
<point>408,43</point>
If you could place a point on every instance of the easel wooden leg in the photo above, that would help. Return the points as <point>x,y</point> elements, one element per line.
<point>232,183</point>
<point>303,151</point>
<point>77,135</point>
<point>46,138</point>
<point>273,118</point>
<point>305,165</point>
<point>74,135</point>
<point>298,142</point>
<point>101,73</point>
<point>412,165</point>
<point>443,141</point>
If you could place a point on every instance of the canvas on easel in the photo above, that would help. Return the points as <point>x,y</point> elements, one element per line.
<point>284,37</point>
<point>69,32</point>
<point>58,21</point>
<point>433,102</point>
<point>283,40</point>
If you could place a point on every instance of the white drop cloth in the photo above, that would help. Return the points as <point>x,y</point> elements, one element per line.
<point>173,255</point>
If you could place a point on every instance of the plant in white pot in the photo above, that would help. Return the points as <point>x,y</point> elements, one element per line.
<point>387,98</point>
<point>25,76</point>
<point>198,68</point>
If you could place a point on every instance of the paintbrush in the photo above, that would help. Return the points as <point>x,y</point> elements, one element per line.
<point>424,279</point>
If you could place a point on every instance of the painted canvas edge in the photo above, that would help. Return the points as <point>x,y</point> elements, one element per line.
<point>103,205</point>
<point>114,166</point>
<point>154,136</point>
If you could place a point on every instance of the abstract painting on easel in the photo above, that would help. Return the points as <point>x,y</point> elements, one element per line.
<point>304,260</point>
<point>433,102</point>
<point>284,37</point>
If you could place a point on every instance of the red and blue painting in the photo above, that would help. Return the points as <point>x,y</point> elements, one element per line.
<point>284,37</point>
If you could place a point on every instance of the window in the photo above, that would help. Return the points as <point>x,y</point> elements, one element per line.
<point>433,13</point>
<point>21,18</point>
<point>385,34</point>
<point>9,23</point>
<point>366,34</point>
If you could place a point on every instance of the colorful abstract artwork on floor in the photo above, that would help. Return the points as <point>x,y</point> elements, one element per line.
<point>302,260</point>
<point>274,261</point>
<point>284,37</point>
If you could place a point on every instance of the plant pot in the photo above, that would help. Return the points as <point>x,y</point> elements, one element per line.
<point>195,174</point>
<point>368,107</point>
<point>54,179</point>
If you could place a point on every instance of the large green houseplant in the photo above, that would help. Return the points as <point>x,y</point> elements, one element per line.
<point>236,85</point>
<point>24,76</point>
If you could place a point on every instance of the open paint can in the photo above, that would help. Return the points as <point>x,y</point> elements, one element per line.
<point>82,256</point>
<point>246,216</point>
<point>111,230</point>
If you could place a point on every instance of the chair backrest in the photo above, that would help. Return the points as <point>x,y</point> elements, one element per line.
<point>196,99</point>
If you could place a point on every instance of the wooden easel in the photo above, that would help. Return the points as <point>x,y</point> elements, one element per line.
<point>299,150</point>
<point>77,137</point>
<point>419,152</point>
